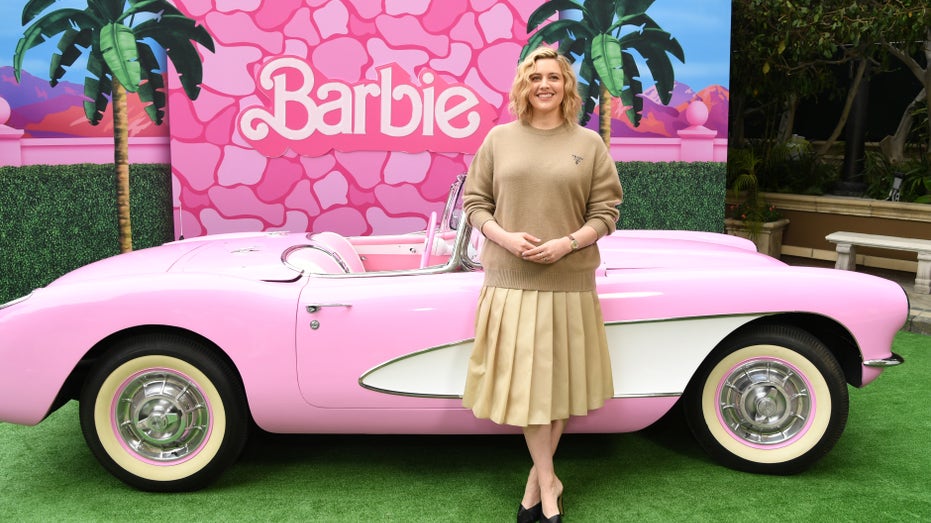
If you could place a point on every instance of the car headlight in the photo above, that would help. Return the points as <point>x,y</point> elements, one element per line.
<point>14,302</point>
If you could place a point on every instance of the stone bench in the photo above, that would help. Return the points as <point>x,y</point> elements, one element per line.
<point>847,243</point>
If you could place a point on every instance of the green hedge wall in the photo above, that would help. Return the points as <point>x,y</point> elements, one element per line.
<point>673,195</point>
<point>55,218</point>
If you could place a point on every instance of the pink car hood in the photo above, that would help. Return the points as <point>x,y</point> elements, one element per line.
<point>253,256</point>
<point>250,256</point>
<point>679,250</point>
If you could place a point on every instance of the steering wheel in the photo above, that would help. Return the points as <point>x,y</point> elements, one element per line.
<point>428,241</point>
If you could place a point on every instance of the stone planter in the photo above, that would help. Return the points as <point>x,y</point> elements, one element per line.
<point>768,240</point>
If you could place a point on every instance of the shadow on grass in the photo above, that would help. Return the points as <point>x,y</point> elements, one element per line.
<point>666,445</point>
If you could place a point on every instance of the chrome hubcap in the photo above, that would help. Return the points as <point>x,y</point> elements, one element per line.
<point>162,416</point>
<point>765,402</point>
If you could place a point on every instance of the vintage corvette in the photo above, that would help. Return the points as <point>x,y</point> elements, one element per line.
<point>175,352</point>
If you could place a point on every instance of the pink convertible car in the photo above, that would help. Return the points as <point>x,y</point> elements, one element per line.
<point>175,351</point>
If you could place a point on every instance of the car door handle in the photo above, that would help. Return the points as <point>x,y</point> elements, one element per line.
<point>317,306</point>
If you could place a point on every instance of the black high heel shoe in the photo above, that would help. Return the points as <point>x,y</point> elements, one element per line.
<point>529,515</point>
<point>557,518</point>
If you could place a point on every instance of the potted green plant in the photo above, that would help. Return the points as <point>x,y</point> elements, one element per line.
<point>747,213</point>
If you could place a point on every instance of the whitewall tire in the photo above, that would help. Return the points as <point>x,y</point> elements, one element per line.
<point>769,401</point>
<point>164,413</point>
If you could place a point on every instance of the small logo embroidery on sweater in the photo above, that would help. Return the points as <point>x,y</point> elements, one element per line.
<point>577,159</point>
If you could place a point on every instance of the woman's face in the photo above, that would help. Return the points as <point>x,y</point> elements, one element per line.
<point>546,87</point>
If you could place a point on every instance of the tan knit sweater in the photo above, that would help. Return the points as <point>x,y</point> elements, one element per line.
<point>548,183</point>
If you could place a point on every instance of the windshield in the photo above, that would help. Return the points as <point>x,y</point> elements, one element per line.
<point>453,214</point>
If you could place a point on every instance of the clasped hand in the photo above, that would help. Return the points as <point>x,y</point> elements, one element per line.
<point>528,247</point>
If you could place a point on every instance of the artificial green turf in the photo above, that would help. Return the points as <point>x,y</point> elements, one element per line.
<point>879,471</point>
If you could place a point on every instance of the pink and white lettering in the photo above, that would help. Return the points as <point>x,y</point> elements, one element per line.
<point>312,115</point>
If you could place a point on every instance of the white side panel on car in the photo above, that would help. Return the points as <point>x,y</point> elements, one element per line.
<point>654,358</point>
<point>658,358</point>
<point>434,373</point>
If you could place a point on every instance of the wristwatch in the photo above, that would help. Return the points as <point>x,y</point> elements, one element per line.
<point>573,243</point>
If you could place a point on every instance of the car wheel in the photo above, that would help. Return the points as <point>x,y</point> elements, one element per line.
<point>163,413</point>
<point>769,401</point>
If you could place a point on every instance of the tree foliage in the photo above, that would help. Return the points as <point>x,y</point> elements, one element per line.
<point>782,50</point>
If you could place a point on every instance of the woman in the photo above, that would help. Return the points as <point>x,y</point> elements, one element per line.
<point>542,189</point>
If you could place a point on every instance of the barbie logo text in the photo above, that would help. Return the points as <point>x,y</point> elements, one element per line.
<point>390,113</point>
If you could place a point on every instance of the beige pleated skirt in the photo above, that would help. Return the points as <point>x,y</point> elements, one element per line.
<point>539,356</point>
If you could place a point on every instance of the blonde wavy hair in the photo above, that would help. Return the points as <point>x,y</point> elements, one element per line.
<point>519,98</point>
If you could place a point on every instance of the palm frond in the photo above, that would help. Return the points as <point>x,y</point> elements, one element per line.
<point>606,57</point>
<point>49,25</point>
<point>97,86</point>
<point>653,45</point>
<point>152,89</point>
<point>599,14</point>
<point>108,11</point>
<point>174,29</point>
<point>631,8</point>
<point>558,31</point>
<point>70,45</point>
<point>33,8</point>
<point>118,47</point>
<point>549,9</point>
<point>630,96</point>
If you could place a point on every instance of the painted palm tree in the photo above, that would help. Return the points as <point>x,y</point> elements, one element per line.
<point>118,36</point>
<point>603,34</point>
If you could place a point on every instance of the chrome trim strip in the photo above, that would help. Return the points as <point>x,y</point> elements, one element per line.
<point>891,361</point>
<point>650,395</point>
<point>329,252</point>
<point>15,301</point>
<point>459,397</point>
<point>410,394</point>
<point>411,355</point>
<point>754,315</point>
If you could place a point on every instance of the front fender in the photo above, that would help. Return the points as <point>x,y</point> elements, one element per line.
<point>43,338</point>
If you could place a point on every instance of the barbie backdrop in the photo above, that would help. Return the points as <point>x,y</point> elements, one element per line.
<point>356,115</point>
